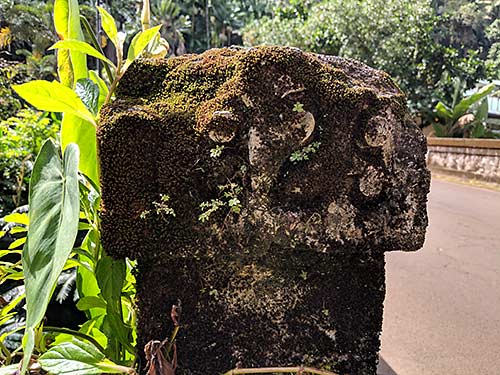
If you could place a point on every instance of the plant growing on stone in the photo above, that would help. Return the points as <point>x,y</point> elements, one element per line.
<point>305,152</point>
<point>229,197</point>
<point>64,198</point>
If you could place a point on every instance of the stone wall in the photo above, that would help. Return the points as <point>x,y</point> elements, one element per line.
<point>476,159</point>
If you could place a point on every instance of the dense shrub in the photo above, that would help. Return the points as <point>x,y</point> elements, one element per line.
<point>21,137</point>
<point>396,36</point>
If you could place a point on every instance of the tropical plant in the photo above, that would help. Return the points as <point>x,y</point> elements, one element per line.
<point>10,72</point>
<point>26,24</point>
<point>21,138</point>
<point>396,36</point>
<point>465,117</point>
<point>64,198</point>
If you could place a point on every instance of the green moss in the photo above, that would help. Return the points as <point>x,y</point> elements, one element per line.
<point>156,139</point>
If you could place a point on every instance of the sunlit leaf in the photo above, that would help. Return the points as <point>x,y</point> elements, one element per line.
<point>53,97</point>
<point>54,208</point>
<point>140,41</point>
<point>17,218</point>
<point>72,65</point>
<point>81,46</point>
<point>78,358</point>
<point>109,26</point>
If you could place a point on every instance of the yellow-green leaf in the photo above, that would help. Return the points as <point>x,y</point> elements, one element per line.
<point>17,243</point>
<point>67,24</point>
<point>80,46</point>
<point>109,26</point>
<point>17,218</point>
<point>77,130</point>
<point>140,41</point>
<point>53,97</point>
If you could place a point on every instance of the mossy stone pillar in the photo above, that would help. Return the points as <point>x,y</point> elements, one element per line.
<point>261,188</point>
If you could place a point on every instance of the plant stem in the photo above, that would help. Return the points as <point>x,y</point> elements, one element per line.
<point>96,45</point>
<point>113,87</point>
<point>270,370</point>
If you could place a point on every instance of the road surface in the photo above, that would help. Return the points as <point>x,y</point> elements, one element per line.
<point>442,309</point>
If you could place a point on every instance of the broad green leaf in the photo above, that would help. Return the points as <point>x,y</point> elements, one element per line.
<point>53,97</point>
<point>67,24</point>
<point>110,274</point>
<point>478,130</point>
<point>88,92</point>
<point>80,46</point>
<point>17,218</point>
<point>103,89</point>
<point>76,130</point>
<point>53,216</point>
<point>109,26</point>
<point>90,302</point>
<point>440,130</point>
<point>481,114</point>
<point>463,106</point>
<point>78,358</point>
<point>86,280</point>
<point>117,331</point>
<point>90,328</point>
<point>140,41</point>
<point>443,111</point>
<point>9,370</point>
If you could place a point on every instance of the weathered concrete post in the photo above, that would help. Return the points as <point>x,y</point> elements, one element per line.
<point>261,187</point>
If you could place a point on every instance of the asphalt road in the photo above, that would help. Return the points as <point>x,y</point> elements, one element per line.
<point>442,308</point>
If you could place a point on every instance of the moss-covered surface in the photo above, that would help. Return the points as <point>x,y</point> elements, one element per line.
<point>294,272</point>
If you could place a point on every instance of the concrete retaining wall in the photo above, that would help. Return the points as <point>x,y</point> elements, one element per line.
<point>477,159</point>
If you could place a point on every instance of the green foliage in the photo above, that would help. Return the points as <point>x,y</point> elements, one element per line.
<point>453,121</point>
<point>29,23</point>
<point>53,216</point>
<point>54,97</point>
<point>77,357</point>
<point>396,36</point>
<point>21,138</point>
<point>298,107</point>
<point>305,152</point>
<point>216,151</point>
<point>9,103</point>
<point>161,208</point>
<point>229,196</point>
<point>58,194</point>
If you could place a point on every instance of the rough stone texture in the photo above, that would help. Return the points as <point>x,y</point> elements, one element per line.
<point>297,275</point>
<point>482,164</point>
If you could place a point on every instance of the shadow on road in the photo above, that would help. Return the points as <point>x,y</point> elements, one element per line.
<point>384,368</point>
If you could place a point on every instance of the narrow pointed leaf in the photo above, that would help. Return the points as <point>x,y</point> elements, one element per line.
<point>443,111</point>
<point>109,26</point>
<point>81,46</point>
<point>53,216</point>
